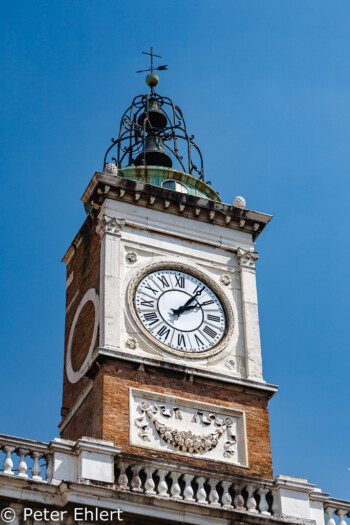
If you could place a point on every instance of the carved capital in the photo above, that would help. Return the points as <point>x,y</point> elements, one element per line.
<point>246,258</point>
<point>112,225</point>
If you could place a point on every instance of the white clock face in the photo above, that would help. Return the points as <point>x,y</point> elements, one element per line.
<point>180,311</point>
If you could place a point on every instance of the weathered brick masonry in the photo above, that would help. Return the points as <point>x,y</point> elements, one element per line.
<point>85,265</point>
<point>105,413</point>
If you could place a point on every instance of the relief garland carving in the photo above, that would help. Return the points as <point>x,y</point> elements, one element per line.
<point>186,440</point>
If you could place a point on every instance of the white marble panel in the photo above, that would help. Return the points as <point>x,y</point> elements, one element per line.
<point>187,427</point>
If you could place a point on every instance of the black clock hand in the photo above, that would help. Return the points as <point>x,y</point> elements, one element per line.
<point>190,307</point>
<point>187,303</point>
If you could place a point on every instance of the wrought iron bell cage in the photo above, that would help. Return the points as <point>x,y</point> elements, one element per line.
<point>149,125</point>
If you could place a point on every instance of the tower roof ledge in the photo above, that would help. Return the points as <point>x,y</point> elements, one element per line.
<point>104,185</point>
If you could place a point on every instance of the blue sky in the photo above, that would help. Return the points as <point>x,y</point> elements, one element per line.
<point>265,88</point>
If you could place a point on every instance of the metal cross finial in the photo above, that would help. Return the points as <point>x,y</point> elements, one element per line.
<point>151,54</point>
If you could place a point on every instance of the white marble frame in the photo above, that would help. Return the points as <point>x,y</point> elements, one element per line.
<point>205,278</point>
<point>139,230</point>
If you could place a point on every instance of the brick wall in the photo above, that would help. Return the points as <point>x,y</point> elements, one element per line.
<point>108,406</point>
<point>85,265</point>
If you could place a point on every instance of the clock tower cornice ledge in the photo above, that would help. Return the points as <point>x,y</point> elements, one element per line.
<point>190,373</point>
<point>104,185</point>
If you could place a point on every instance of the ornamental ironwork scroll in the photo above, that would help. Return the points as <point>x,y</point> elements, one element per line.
<point>133,130</point>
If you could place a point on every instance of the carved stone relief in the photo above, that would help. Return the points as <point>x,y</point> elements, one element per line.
<point>247,258</point>
<point>225,279</point>
<point>186,427</point>
<point>107,224</point>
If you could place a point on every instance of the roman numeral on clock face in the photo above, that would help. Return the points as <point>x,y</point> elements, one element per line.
<point>209,331</point>
<point>214,318</point>
<point>154,290</point>
<point>149,304</point>
<point>151,318</point>
<point>164,332</point>
<point>198,340</point>
<point>179,311</point>
<point>164,281</point>
<point>207,302</point>
<point>181,340</point>
<point>180,281</point>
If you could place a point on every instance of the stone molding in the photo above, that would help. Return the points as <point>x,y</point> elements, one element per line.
<point>109,224</point>
<point>200,209</point>
<point>247,258</point>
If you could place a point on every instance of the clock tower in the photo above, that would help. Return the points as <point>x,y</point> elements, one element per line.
<point>162,343</point>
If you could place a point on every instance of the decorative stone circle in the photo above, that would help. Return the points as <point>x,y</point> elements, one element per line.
<point>225,279</point>
<point>239,202</point>
<point>131,257</point>
<point>111,169</point>
<point>131,343</point>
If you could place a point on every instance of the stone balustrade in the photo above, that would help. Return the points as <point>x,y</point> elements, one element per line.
<point>97,465</point>
<point>162,482</point>
<point>336,511</point>
<point>25,458</point>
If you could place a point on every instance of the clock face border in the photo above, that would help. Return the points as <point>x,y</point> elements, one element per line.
<point>208,281</point>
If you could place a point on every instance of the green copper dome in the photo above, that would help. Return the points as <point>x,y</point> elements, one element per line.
<point>167,178</point>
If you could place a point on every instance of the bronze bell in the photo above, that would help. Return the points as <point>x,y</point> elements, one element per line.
<point>156,118</point>
<point>154,153</point>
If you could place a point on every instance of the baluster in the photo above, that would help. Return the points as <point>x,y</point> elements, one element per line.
<point>123,481</point>
<point>329,512</point>
<point>263,506</point>
<point>149,483</point>
<point>341,513</point>
<point>239,500</point>
<point>213,494</point>
<point>69,520</point>
<point>162,484</point>
<point>201,495</point>
<point>188,490</point>
<point>16,518</point>
<point>22,465</point>
<point>49,468</point>
<point>226,496</point>
<point>275,504</point>
<point>251,502</point>
<point>36,468</point>
<point>8,463</point>
<point>175,490</point>
<point>136,483</point>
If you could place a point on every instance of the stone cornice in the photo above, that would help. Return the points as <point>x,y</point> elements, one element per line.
<point>245,385</point>
<point>104,185</point>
